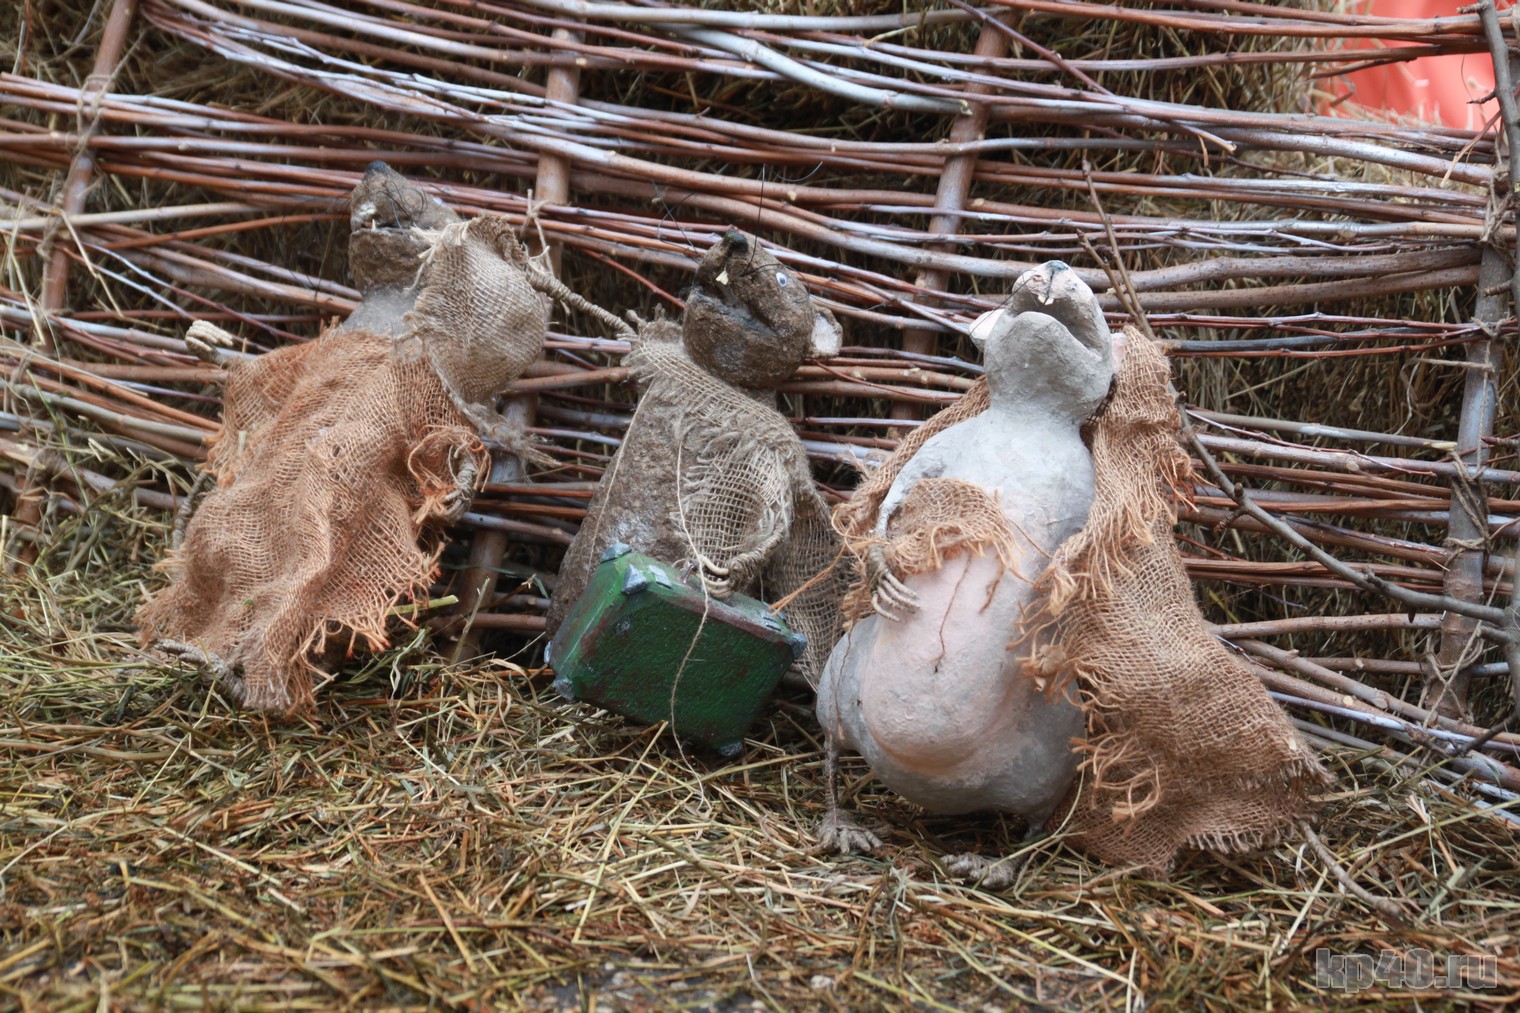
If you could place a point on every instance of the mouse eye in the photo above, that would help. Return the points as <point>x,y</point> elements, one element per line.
<point>783,279</point>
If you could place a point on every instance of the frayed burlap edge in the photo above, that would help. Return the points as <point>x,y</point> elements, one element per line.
<point>938,519</point>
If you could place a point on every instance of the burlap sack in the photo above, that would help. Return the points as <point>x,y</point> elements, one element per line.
<point>478,318</point>
<point>334,458</point>
<point>1184,747</point>
<point>855,518</point>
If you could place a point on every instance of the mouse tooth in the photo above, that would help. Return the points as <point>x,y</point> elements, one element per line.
<point>722,278</point>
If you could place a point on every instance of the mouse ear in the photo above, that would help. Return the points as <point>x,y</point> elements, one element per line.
<point>827,338</point>
<point>983,326</point>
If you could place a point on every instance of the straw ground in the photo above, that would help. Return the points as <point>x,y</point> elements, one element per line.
<point>455,837</point>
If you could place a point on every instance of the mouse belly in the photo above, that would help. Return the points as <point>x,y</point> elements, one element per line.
<point>938,705</point>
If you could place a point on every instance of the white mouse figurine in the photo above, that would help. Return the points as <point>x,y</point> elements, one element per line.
<point>931,688</point>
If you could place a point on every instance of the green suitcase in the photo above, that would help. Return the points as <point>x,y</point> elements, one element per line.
<point>648,644</point>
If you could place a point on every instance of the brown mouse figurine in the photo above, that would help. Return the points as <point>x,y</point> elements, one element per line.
<point>710,474</point>
<point>340,459</point>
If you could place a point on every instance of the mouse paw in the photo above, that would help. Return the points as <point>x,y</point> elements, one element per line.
<point>209,343</point>
<point>514,441</point>
<point>890,597</point>
<point>987,873</point>
<point>456,503</point>
<point>717,580</point>
<point>839,834</point>
<point>209,665</point>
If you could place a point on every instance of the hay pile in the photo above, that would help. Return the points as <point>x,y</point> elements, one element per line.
<point>439,831</point>
<point>459,837</point>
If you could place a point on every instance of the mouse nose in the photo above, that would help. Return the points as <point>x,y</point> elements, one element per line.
<point>1057,266</point>
<point>736,239</point>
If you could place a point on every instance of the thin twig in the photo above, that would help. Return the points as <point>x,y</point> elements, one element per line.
<point>1384,906</point>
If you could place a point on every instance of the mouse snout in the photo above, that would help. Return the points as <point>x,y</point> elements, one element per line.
<point>1045,281</point>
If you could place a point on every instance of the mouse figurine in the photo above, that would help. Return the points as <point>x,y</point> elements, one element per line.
<point>931,685</point>
<point>711,476</point>
<point>340,460</point>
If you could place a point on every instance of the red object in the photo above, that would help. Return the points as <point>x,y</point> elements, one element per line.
<point>1438,89</point>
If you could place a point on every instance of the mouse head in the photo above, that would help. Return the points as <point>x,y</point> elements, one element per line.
<point>1049,344</point>
<point>749,320</point>
<point>382,212</point>
<point>385,199</point>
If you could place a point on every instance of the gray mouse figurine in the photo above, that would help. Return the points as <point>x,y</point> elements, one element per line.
<point>389,219</point>
<point>710,474</point>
